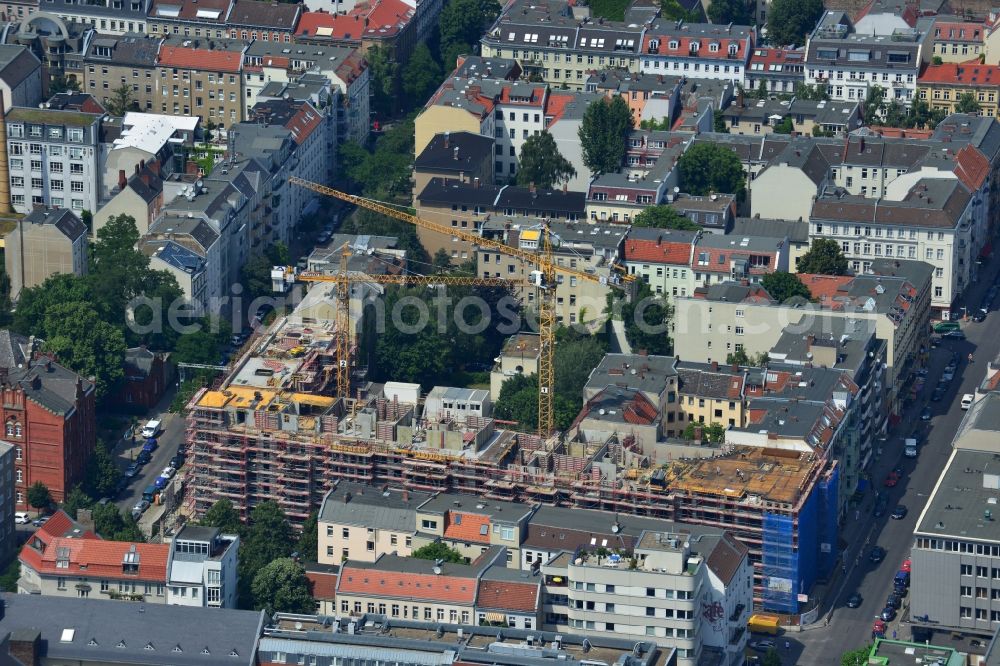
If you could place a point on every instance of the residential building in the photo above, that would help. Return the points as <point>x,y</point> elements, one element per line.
<point>201,77</point>
<point>457,403</point>
<point>360,523</point>
<point>8,529</point>
<point>569,49</point>
<point>414,642</point>
<point>147,140</point>
<point>518,356</point>
<point>184,252</point>
<point>955,556</point>
<point>48,416</point>
<point>189,18</point>
<point>58,56</point>
<point>463,156</point>
<point>20,77</point>
<point>848,60</point>
<point>800,169</point>
<point>113,61</point>
<point>266,21</point>
<point>43,243</point>
<point>139,196</point>
<point>702,50</point>
<point>892,651</point>
<point>15,10</point>
<point>44,630</point>
<point>796,234</point>
<point>53,158</point>
<point>662,259</point>
<point>323,585</point>
<point>474,527</point>
<point>593,248</point>
<point>468,207</point>
<point>956,40</point>
<point>944,86</point>
<point>933,221</point>
<point>393,25</point>
<point>201,569</point>
<point>654,98</point>
<point>108,17</point>
<point>148,374</point>
<point>807,117</point>
<point>778,70</point>
<point>66,560</point>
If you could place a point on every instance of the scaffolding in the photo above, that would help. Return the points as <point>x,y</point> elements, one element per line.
<point>780,564</point>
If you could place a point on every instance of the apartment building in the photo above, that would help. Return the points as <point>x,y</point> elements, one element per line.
<point>359,523</point>
<point>519,356</point>
<point>796,234</point>
<point>57,43</point>
<point>955,555</point>
<point>701,50</point>
<point>779,70</point>
<point>203,78</point>
<point>113,61</point>
<point>463,156</point>
<point>42,244</point>
<point>20,77</point>
<point>934,221</point>
<point>189,18</point>
<point>139,196</point>
<point>943,86</point>
<point>593,248</point>
<point>54,158</point>
<point>147,140</point>
<point>848,60</point>
<point>63,558</point>
<point>266,21</point>
<point>957,41</point>
<point>16,10</point>
<point>108,17</point>
<point>8,507</point>
<point>807,117</point>
<point>201,568</point>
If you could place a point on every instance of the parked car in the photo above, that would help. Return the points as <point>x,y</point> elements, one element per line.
<point>907,566</point>
<point>22,518</point>
<point>762,645</point>
<point>898,513</point>
<point>935,340</point>
<point>143,457</point>
<point>177,461</point>
<point>877,554</point>
<point>168,472</point>
<point>910,452</point>
<point>967,401</point>
<point>946,326</point>
<point>925,414</point>
<point>881,507</point>
<point>160,482</point>
<point>891,480</point>
<point>888,614</point>
<point>150,445</point>
<point>41,520</point>
<point>939,393</point>
<point>954,335</point>
<point>979,315</point>
<point>854,601</point>
<point>878,629</point>
<point>894,601</point>
<point>139,508</point>
<point>132,471</point>
<point>947,376</point>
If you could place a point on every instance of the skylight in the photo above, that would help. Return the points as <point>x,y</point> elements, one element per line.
<point>67,635</point>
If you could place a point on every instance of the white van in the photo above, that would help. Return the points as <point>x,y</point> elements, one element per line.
<point>151,428</point>
<point>22,518</point>
<point>967,400</point>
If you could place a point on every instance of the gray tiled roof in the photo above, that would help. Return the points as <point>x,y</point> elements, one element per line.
<point>56,386</point>
<point>16,64</point>
<point>368,506</point>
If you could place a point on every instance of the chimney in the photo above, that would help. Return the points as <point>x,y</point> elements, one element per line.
<point>861,146</point>
<point>4,170</point>
<point>24,645</point>
<point>455,153</point>
<point>137,169</point>
<point>447,139</point>
<point>142,164</point>
<point>122,180</point>
<point>736,367</point>
<point>86,518</point>
<point>3,376</point>
<point>406,495</point>
<point>154,166</point>
<point>715,365</point>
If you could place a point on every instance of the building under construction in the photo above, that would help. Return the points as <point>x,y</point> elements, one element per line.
<point>271,431</point>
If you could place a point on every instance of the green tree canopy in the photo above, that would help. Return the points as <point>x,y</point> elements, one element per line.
<point>730,11</point>
<point>541,163</point>
<point>646,318</point>
<point>603,133</point>
<point>783,286</point>
<point>60,83</point>
<point>441,261</point>
<point>967,104</point>
<point>112,525</point>
<point>438,551</point>
<point>772,658</point>
<point>122,101</point>
<point>824,258</point>
<point>75,500</point>
<point>789,21</point>
<point>383,70</point>
<point>103,475</point>
<point>785,126</point>
<point>740,357</point>
<point>710,432</point>
<point>422,74</point>
<point>857,657</point>
<point>308,544</point>
<point>255,275</point>
<point>223,515</point>
<point>461,24</point>
<point>811,92</point>
<point>719,122</point>
<point>709,167</point>
<point>281,586</point>
<point>86,343</point>
<point>268,538</point>
<point>39,496</point>
<point>663,217</point>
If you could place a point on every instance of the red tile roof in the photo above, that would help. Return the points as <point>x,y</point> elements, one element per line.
<point>770,57</point>
<point>683,49</point>
<point>508,596</point>
<point>961,31</point>
<point>205,59</point>
<point>466,527</point>
<point>96,557</point>
<point>323,584</point>
<point>304,122</point>
<point>971,167</point>
<point>824,287</point>
<point>409,585</point>
<point>383,19</point>
<point>966,74</point>
<point>669,252</point>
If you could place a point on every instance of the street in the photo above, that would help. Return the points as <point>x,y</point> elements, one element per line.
<point>850,628</point>
<point>170,438</point>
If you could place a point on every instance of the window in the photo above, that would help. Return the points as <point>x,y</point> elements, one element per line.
<point>966,590</point>
<point>428,524</point>
<point>75,134</point>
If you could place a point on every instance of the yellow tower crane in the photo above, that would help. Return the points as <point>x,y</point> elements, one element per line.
<point>544,278</point>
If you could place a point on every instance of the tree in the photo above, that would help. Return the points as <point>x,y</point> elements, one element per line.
<point>76,500</point>
<point>39,496</point>
<point>421,75</point>
<point>103,474</point>
<point>663,217</point>
<point>874,107</point>
<point>646,318</point>
<point>719,122</point>
<point>308,544</point>
<point>603,132</point>
<point>542,163</point>
<point>438,551</point>
<point>122,101</point>
<point>223,515</point>
<point>761,92</point>
<point>811,92</point>
<point>60,83</point>
<point>785,126</point>
<point>937,60</point>
<point>87,344</point>
<point>281,586</point>
<point>255,275</point>
<point>742,358</point>
<point>441,261</point>
<point>383,70</point>
<point>461,24</point>
<point>709,167</point>
<point>783,286</point>
<point>857,657</point>
<point>112,525</point>
<point>772,658</point>
<point>711,432</point>
<point>823,258</point>
<point>789,21</point>
<point>729,11</point>
<point>967,104</point>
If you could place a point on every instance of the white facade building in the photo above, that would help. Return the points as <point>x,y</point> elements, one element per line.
<point>201,570</point>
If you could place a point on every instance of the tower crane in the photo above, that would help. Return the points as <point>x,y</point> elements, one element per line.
<point>543,277</point>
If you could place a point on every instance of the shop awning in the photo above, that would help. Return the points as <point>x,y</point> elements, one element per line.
<point>496,617</point>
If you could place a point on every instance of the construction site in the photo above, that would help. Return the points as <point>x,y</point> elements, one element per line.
<point>273,430</point>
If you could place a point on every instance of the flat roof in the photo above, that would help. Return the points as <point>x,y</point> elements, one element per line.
<point>962,506</point>
<point>770,474</point>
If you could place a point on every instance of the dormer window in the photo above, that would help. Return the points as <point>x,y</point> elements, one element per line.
<point>673,45</point>
<point>713,47</point>
<point>694,47</point>
<point>102,51</point>
<point>733,48</point>
<point>130,562</point>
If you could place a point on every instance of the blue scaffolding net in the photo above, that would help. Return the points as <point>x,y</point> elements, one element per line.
<point>828,527</point>
<point>780,563</point>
